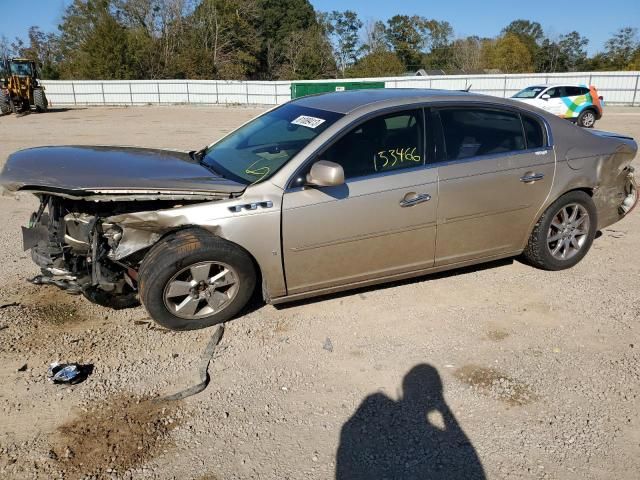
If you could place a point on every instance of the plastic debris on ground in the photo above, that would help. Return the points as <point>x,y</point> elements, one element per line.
<point>69,373</point>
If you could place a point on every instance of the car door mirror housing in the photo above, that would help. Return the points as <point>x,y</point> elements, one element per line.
<point>324,173</point>
<point>546,96</point>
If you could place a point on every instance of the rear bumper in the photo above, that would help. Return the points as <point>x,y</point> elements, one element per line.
<point>631,189</point>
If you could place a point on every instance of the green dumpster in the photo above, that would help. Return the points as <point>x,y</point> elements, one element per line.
<point>300,89</point>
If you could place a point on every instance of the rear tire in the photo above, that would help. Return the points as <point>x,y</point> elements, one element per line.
<point>193,279</point>
<point>5,103</point>
<point>587,118</point>
<point>40,100</point>
<point>559,241</point>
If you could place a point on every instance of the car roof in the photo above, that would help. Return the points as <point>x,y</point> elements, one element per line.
<point>549,85</point>
<point>347,101</point>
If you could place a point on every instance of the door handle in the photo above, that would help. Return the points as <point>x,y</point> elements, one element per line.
<point>411,199</point>
<point>531,177</point>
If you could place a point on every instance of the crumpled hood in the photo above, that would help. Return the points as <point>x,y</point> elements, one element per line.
<point>111,170</point>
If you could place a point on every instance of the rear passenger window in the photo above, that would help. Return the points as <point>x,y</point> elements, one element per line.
<point>575,91</point>
<point>533,132</point>
<point>471,132</point>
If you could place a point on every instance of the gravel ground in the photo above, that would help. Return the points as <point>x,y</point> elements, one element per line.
<point>498,371</point>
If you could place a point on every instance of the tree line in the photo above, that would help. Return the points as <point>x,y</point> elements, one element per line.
<point>288,39</point>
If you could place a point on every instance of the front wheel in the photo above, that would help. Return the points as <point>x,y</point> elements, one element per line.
<point>564,233</point>
<point>192,279</point>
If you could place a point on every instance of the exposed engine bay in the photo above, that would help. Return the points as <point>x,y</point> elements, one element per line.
<point>75,247</point>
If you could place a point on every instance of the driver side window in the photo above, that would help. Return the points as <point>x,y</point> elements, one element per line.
<point>386,143</point>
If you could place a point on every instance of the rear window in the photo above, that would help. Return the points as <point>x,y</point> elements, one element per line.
<point>472,132</point>
<point>533,132</point>
<point>575,91</point>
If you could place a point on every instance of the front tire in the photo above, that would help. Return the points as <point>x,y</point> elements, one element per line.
<point>5,103</point>
<point>193,279</point>
<point>564,233</point>
<point>40,100</point>
<point>587,118</point>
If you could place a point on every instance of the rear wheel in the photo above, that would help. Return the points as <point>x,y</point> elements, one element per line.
<point>192,280</point>
<point>587,118</point>
<point>564,233</point>
<point>40,100</point>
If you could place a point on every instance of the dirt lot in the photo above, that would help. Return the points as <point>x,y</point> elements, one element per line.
<point>503,370</point>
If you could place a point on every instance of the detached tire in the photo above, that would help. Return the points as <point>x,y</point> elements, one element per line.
<point>40,100</point>
<point>564,233</point>
<point>192,279</point>
<point>587,118</point>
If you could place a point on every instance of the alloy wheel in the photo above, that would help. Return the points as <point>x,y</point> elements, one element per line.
<point>568,231</point>
<point>201,290</point>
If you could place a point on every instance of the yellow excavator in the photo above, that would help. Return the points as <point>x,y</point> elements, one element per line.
<point>19,87</point>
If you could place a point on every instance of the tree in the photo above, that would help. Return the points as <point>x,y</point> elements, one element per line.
<point>307,55</point>
<point>568,54</point>
<point>408,36</point>
<point>6,50</point>
<point>380,63</point>
<point>529,33</point>
<point>87,54</point>
<point>221,42</point>
<point>343,29</point>
<point>43,49</point>
<point>156,33</point>
<point>466,54</point>
<point>275,21</point>
<point>375,37</point>
<point>621,47</point>
<point>439,43</point>
<point>509,54</point>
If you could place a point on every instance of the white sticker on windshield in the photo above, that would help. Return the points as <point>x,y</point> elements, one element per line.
<point>305,121</point>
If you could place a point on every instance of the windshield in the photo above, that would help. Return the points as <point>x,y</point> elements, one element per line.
<point>258,149</point>
<point>21,69</point>
<point>529,92</point>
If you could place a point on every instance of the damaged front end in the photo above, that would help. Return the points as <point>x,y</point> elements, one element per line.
<point>79,251</point>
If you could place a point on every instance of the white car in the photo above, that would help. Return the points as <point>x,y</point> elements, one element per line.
<point>577,103</point>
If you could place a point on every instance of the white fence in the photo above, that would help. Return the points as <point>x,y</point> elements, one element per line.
<point>618,88</point>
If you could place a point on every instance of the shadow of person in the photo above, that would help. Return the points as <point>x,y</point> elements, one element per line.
<point>416,437</point>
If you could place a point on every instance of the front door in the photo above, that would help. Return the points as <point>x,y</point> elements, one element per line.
<point>497,174</point>
<point>381,222</point>
<point>554,104</point>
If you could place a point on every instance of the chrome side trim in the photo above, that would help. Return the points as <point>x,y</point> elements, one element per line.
<point>251,206</point>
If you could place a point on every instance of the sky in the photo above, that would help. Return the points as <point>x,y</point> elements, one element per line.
<point>595,19</point>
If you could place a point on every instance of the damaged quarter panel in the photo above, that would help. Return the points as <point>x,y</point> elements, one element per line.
<point>596,162</point>
<point>251,221</point>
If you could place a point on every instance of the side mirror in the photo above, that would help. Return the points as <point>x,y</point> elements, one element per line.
<point>324,173</point>
<point>546,96</point>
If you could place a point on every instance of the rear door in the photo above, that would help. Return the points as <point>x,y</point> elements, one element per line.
<point>381,222</point>
<point>493,180</point>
